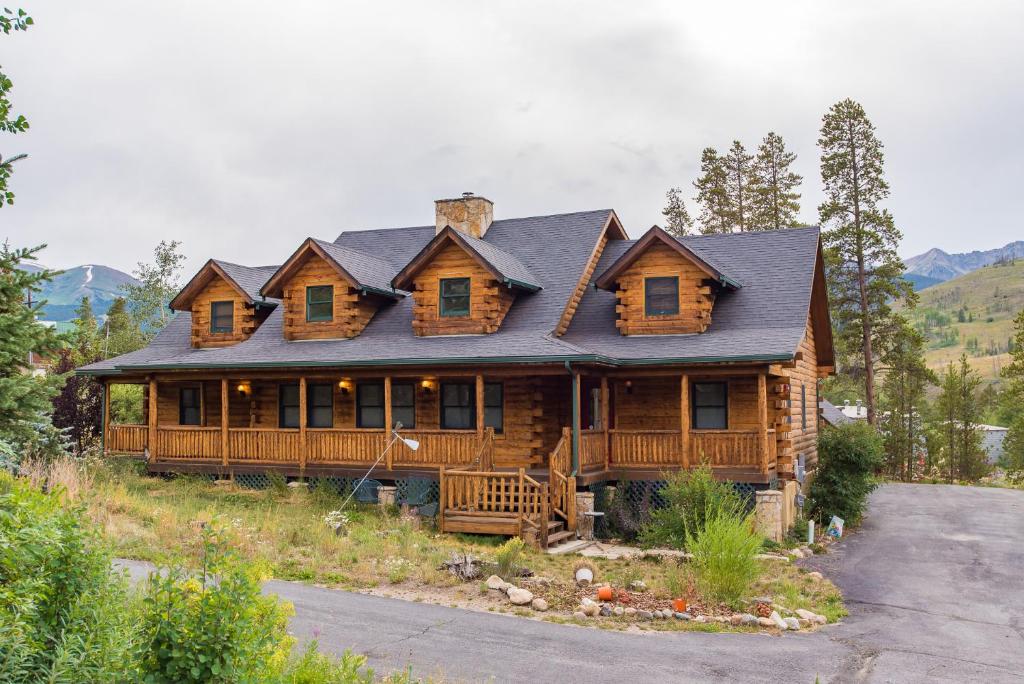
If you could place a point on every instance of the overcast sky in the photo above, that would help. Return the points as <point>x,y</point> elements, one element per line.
<point>241,128</point>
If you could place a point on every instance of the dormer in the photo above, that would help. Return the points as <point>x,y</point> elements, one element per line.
<point>224,302</point>
<point>461,284</point>
<point>330,292</point>
<point>663,287</point>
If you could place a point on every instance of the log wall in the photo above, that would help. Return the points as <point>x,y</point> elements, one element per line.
<point>696,295</point>
<point>352,311</point>
<point>218,290</point>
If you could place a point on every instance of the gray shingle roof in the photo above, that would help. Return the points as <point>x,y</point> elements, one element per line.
<point>831,414</point>
<point>249,278</point>
<point>765,319</point>
<point>369,271</point>
<point>507,265</point>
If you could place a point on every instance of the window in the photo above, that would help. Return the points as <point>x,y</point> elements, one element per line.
<point>288,406</point>
<point>457,411</point>
<point>661,296</point>
<point>370,405</point>
<point>222,317</point>
<point>189,408</point>
<point>710,406</point>
<point>494,406</point>
<point>454,296</point>
<point>320,406</point>
<point>803,406</point>
<point>403,404</point>
<point>320,303</point>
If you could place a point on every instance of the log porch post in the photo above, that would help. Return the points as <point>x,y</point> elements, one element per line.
<point>224,422</point>
<point>152,419</point>
<point>684,419</point>
<point>762,420</point>
<point>479,408</point>
<point>388,421</point>
<point>302,425</point>
<point>106,417</point>
<point>605,418</point>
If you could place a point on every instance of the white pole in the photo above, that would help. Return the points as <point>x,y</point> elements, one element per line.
<point>810,532</point>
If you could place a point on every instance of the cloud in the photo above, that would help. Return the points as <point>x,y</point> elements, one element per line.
<point>240,128</point>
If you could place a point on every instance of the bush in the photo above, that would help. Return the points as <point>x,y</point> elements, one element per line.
<point>64,616</point>
<point>507,559</point>
<point>724,556</point>
<point>848,455</point>
<point>694,497</point>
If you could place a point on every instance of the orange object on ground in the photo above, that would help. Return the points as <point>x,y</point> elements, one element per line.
<point>605,593</point>
<point>679,605</point>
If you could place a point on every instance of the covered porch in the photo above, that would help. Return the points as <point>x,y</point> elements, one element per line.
<point>591,423</point>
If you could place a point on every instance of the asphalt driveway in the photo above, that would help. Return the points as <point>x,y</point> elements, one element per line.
<point>934,582</point>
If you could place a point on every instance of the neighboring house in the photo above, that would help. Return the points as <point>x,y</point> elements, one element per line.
<point>832,414</point>
<point>527,357</point>
<point>854,411</point>
<point>992,440</point>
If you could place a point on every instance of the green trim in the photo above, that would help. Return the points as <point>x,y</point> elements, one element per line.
<point>214,330</point>
<point>368,289</point>
<point>726,280</point>
<point>576,358</point>
<point>512,282</point>
<point>576,420</point>
<point>443,309</point>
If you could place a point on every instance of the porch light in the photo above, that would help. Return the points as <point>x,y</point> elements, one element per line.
<point>244,388</point>
<point>428,385</point>
<point>629,387</point>
<point>345,385</point>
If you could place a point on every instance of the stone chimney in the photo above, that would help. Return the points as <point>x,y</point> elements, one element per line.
<point>468,214</point>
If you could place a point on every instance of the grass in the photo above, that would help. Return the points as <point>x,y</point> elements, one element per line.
<point>284,530</point>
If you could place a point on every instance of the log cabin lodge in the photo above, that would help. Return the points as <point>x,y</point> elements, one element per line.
<point>529,358</point>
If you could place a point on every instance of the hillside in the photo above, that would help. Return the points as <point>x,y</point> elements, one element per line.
<point>972,313</point>
<point>64,293</point>
<point>936,265</point>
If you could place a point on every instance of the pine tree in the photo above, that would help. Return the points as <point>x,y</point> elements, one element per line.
<point>24,396</point>
<point>903,389</point>
<point>957,409</point>
<point>1013,444</point>
<point>712,195</point>
<point>85,337</point>
<point>864,271</point>
<point>739,185</point>
<point>677,218</point>
<point>121,333</point>
<point>774,200</point>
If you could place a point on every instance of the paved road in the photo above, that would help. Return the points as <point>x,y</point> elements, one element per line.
<point>934,582</point>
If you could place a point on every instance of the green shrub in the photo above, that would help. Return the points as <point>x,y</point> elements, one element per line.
<point>507,559</point>
<point>848,455</point>
<point>196,629</point>
<point>314,667</point>
<point>64,616</point>
<point>724,556</point>
<point>278,484</point>
<point>694,497</point>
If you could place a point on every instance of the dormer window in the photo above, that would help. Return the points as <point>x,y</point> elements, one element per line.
<point>454,297</point>
<point>661,296</point>
<point>319,303</point>
<point>222,317</point>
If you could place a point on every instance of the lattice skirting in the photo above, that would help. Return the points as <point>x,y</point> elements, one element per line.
<point>415,491</point>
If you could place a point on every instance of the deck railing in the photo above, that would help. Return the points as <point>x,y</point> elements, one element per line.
<point>746,449</point>
<point>593,450</point>
<point>263,444</point>
<point>562,485</point>
<point>717,448</point>
<point>127,439</point>
<point>330,445</point>
<point>188,442</point>
<point>496,494</point>
<point>452,448</point>
<point>646,448</point>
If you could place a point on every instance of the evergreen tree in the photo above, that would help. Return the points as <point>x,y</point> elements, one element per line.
<point>1013,444</point>
<point>24,396</point>
<point>739,185</point>
<point>957,411</point>
<point>864,272</point>
<point>121,333</point>
<point>158,283</point>
<point>677,218</point>
<point>85,337</point>
<point>10,21</point>
<point>903,389</point>
<point>775,201</point>
<point>712,195</point>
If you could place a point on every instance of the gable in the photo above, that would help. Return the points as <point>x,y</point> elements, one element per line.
<point>244,314</point>
<point>350,309</point>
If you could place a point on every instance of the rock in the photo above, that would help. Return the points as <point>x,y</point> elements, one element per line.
<point>587,602</point>
<point>295,484</point>
<point>748,619</point>
<point>645,614</point>
<point>657,615</point>
<point>519,597</point>
<point>778,621</point>
<point>804,623</point>
<point>618,611</point>
<point>543,581</point>
<point>579,615</point>
<point>539,604</point>
<point>495,582</point>
<point>735,619</point>
<point>701,619</point>
<point>808,551</point>
<point>228,483</point>
<point>684,616</point>
<point>629,612</point>
<point>796,553</point>
<point>638,585</point>
<point>606,611</point>
<point>792,623</point>
<point>765,622</point>
<point>805,614</point>
<point>816,576</point>
<point>821,619</point>
<point>590,609</point>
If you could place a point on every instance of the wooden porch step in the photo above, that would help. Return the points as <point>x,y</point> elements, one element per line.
<point>480,524</point>
<point>559,537</point>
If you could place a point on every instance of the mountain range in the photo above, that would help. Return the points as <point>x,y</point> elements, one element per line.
<point>937,266</point>
<point>63,294</point>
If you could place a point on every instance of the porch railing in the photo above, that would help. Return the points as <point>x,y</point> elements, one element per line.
<point>746,449</point>
<point>330,445</point>
<point>263,444</point>
<point>188,442</point>
<point>437,448</point>
<point>593,450</point>
<point>127,439</point>
<point>717,448</point>
<point>513,495</point>
<point>561,485</point>
<point>646,448</point>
